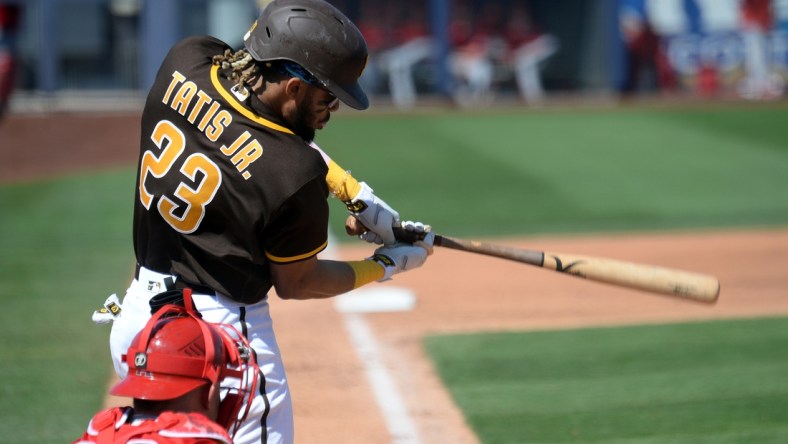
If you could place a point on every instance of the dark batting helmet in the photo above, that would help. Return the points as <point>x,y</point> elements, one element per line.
<point>317,36</point>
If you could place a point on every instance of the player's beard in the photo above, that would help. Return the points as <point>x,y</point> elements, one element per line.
<point>303,116</point>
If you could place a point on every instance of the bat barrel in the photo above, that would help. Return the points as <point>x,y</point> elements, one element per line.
<point>684,284</point>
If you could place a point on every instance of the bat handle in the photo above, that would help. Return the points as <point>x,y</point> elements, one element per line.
<point>354,227</point>
<point>403,235</point>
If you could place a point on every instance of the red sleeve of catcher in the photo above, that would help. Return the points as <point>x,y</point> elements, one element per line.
<point>192,425</point>
<point>170,427</point>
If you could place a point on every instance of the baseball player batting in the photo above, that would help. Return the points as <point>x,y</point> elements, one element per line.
<point>231,196</point>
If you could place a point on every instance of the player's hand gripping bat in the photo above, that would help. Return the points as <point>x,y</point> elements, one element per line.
<point>679,283</point>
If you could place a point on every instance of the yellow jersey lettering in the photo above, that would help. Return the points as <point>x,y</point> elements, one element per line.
<point>176,79</point>
<point>229,151</point>
<point>208,116</point>
<point>211,119</point>
<point>218,124</point>
<point>183,97</point>
<point>246,156</point>
<point>202,100</point>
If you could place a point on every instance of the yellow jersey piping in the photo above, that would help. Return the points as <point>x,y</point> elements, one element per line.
<point>278,259</point>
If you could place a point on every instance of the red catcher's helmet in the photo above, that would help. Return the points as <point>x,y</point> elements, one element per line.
<point>170,359</point>
<point>177,352</point>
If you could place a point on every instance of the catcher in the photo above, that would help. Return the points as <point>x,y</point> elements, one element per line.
<point>191,381</point>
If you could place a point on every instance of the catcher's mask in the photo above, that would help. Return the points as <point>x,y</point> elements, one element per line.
<point>177,352</point>
<point>318,37</point>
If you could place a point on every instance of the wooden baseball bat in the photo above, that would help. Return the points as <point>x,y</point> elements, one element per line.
<point>678,283</point>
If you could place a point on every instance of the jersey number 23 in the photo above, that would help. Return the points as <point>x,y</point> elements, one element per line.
<point>185,214</point>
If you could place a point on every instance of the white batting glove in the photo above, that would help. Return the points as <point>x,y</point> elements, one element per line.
<point>424,231</point>
<point>400,256</point>
<point>109,311</point>
<point>375,214</point>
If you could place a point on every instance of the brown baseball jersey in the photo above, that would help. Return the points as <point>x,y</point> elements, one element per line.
<point>224,187</point>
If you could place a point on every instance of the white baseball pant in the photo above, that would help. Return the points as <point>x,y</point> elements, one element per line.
<point>270,419</point>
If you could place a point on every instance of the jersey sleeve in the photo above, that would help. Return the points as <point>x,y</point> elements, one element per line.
<point>299,229</point>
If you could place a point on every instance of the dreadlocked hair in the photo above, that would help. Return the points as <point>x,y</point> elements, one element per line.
<point>243,67</point>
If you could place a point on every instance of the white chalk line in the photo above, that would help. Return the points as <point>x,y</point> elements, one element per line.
<point>388,397</point>
<point>398,421</point>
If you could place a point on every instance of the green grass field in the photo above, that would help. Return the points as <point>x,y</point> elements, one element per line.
<point>64,247</point>
<point>714,382</point>
<point>65,243</point>
<point>556,171</point>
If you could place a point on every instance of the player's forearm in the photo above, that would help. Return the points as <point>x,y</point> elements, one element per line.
<point>328,278</point>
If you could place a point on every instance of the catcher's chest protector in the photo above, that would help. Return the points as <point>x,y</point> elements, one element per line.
<point>110,426</point>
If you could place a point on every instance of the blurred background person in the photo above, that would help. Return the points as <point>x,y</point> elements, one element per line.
<point>10,14</point>
<point>492,45</point>
<point>647,68</point>
<point>412,44</point>
<point>756,23</point>
<point>473,39</point>
<point>529,46</point>
<point>125,23</point>
<point>376,23</point>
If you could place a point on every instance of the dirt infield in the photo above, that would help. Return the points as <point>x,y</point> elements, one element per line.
<point>462,292</point>
<point>35,146</point>
<point>454,292</point>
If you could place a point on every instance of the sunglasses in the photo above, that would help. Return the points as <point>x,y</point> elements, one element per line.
<point>332,102</point>
<point>297,71</point>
